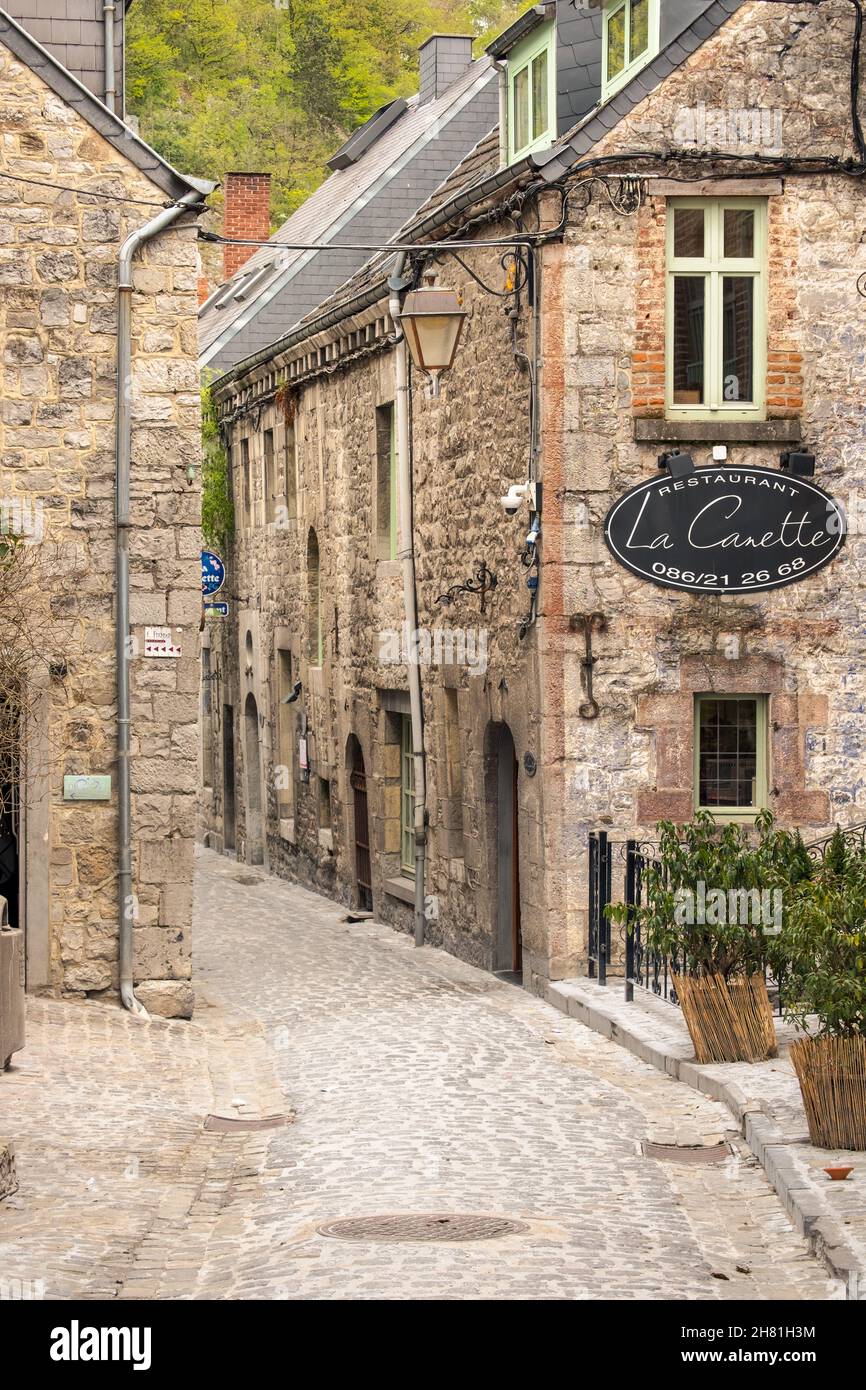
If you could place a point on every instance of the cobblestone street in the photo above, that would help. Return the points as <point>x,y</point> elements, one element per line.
<point>415,1084</point>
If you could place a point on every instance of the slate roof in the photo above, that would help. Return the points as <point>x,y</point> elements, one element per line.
<point>365,202</point>
<point>478,177</point>
<point>91,109</point>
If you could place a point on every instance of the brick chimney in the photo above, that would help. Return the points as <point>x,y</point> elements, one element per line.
<point>246,213</point>
<point>442,60</point>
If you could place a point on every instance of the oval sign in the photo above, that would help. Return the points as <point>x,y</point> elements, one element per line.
<point>213,572</point>
<point>723,529</point>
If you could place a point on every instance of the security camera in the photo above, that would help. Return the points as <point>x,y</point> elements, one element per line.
<point>517,493</point>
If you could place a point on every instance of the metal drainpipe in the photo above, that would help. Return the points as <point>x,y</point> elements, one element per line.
<point>108,38</point>
<point>406,555</point>
<point>122,525</point>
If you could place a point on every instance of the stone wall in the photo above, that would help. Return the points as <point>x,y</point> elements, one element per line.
<point>602,360</point>
<point>58,256</point>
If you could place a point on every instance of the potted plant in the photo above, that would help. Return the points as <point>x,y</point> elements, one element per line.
<point>708,907</point>
<point>823,941</point>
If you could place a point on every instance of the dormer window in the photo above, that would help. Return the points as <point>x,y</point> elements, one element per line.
<point>532,92</point>
<point>630,41</point>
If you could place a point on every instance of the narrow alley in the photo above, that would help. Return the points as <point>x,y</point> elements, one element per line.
<point>412,1084</point>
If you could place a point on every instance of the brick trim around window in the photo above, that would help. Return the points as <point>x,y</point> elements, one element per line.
<point>670,717</point>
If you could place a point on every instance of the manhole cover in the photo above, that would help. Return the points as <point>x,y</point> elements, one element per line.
<point>425,1227</point>
<point>236,1124</point>
<point>697,1153</point>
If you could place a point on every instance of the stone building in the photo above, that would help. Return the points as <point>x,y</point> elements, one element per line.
<point>75,182</point>
<point>694,245</point>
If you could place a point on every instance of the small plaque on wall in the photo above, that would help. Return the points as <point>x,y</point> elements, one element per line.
<point>84,787</point>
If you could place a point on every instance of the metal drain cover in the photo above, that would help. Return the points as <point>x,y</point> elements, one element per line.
<point>696,1153</point>
<point>435,1226</point>
<point>237,1124</point>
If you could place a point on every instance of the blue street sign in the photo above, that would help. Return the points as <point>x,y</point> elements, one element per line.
<point>213,572</point>
<point>216,610</point>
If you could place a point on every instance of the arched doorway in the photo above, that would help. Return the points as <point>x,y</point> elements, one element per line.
<point>507,944</point>
<point>361,824</point>
<point>255,838</point>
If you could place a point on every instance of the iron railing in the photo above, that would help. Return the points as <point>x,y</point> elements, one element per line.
<point>642,968</point>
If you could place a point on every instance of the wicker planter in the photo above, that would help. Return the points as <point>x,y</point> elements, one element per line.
<point>832,1077</point>
<point>728,1020</point>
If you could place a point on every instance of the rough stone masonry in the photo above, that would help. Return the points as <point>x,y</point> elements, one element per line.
<point>58,257</point>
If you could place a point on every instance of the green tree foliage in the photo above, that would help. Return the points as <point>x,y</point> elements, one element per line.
<point>217,508</point>
<point>277,85</point>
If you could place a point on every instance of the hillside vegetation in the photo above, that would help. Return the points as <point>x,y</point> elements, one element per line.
<point>277,85</point>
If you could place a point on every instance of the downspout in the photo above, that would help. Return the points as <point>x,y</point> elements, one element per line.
<point>108,10</point>
<point>502,74</point>
<point>123,449</point>
<point>406,556</point>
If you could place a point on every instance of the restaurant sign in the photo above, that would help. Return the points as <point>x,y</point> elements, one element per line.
<point>723,529</point>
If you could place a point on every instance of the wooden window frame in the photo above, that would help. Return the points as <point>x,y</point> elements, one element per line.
<point>762,787</point>
<point>407,798</point>
<point>520,59</point>
<point>713,267</point>
<point>632,66</point>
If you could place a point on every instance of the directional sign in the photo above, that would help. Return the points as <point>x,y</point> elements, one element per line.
<point>723,529</point>
<point>213,572</point>
<point>216,610</point>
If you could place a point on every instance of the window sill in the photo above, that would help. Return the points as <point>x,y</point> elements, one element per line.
<point>655,431</point>
<point>402,888</point>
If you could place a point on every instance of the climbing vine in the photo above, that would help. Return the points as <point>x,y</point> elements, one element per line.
<point>217,508</point>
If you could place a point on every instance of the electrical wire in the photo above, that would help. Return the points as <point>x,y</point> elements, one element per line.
<point>88,193</point>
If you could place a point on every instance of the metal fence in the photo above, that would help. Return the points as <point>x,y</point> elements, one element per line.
<point>612,862</point>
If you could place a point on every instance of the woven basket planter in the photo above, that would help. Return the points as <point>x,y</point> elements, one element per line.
<point>832,1077</point>
<point>728,1020</point>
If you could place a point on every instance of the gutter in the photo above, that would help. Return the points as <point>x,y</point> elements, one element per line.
<point>406,556</point>
<point>123,456</point>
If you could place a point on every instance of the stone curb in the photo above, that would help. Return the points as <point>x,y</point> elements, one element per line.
<point>8,1175</point>
<point>808,1214</point>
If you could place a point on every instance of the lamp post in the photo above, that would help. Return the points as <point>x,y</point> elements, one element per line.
<point>432,319</point>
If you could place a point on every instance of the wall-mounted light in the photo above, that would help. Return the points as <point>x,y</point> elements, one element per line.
<point>798,461</point>
<point>678,465</point>
<point>432,319</point>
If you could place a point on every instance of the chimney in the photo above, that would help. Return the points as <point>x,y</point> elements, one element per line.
<point>246,213</point>
<point>444,57</point>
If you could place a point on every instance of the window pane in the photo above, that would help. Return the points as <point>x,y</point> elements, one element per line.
<point>688,339</point>
<point>739,232</point>
<point>521,109</point>
<point>639,36</point>
<point>727,756</point>
<point>688,231</point>
<point>616,43</point>
<point>738,309</point>
<point>539,95</point>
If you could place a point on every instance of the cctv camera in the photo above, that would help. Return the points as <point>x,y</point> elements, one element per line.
<point>517,493</point>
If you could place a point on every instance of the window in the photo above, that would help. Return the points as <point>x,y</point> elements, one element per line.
<point>716,315</point>
<point>285,778</point>
<point>290,467</point>
<point>269,479</point>
<point>324,804</point>
<point>453,760</point>
<point>631,40</point>
<point>532,92</point>
<point>386,483</point>
<point>245,470</point>
<point>731,754</point>
<point>407,798</point>
<point>315,643</point>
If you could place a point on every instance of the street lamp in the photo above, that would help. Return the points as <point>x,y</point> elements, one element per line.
<point>432,320</point>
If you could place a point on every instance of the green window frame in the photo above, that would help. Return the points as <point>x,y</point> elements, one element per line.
<point>532,92</point>
<point>407,798</point>
<point>716,308</point>
<point>630,40</point>
<point>730,751</point>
